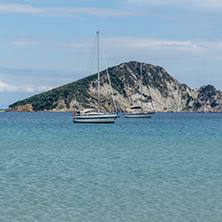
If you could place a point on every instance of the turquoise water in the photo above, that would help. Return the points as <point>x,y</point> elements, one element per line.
<point>167,168</point>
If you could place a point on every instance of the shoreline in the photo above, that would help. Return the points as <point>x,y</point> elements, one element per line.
<point>58,111</point>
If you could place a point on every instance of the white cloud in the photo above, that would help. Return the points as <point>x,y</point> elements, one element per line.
<point>134,8</point>
<point>194,4</point>
<point>4,87</point>
<point>130,48</point>
<point>160,49</point>
<point>6,8</point>
<point>9,88</point>
<point>24,42</point>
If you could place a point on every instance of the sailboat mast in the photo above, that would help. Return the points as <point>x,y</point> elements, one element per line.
<point>98,69</point>
<point>141,84</point>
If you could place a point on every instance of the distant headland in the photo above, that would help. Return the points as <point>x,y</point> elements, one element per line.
<point>168,94</point>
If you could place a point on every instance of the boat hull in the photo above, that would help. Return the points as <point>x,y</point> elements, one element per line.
<point>138,115</point>
<point>109,118</point>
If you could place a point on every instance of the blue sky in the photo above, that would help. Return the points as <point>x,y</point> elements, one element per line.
<point>48,43</point>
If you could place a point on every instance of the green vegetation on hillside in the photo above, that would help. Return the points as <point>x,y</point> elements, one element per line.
<point>49,100</point>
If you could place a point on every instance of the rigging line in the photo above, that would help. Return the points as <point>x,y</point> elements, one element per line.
<point>109,82</point>
<point>98,71</point>
<point>91,66</point>
<point>141,85</point>
<point>151,100</point>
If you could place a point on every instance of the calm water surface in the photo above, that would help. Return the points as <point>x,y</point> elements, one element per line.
<point>168,168</point>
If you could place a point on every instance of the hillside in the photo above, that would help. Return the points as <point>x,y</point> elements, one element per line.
<point>167,93</point>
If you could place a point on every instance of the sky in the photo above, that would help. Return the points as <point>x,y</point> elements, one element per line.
<point>49,43</point>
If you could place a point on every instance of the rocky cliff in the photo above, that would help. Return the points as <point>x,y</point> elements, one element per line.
<point>167,93</point>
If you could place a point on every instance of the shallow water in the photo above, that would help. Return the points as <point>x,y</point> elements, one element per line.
<point>167,168</point>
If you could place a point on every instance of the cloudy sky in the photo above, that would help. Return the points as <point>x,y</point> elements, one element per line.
<point>48,43</point>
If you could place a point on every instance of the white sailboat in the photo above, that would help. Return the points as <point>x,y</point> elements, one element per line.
<point>95,115</point>
<point>138,111</point>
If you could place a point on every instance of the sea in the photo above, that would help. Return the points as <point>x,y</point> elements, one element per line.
<point>167,168</point>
